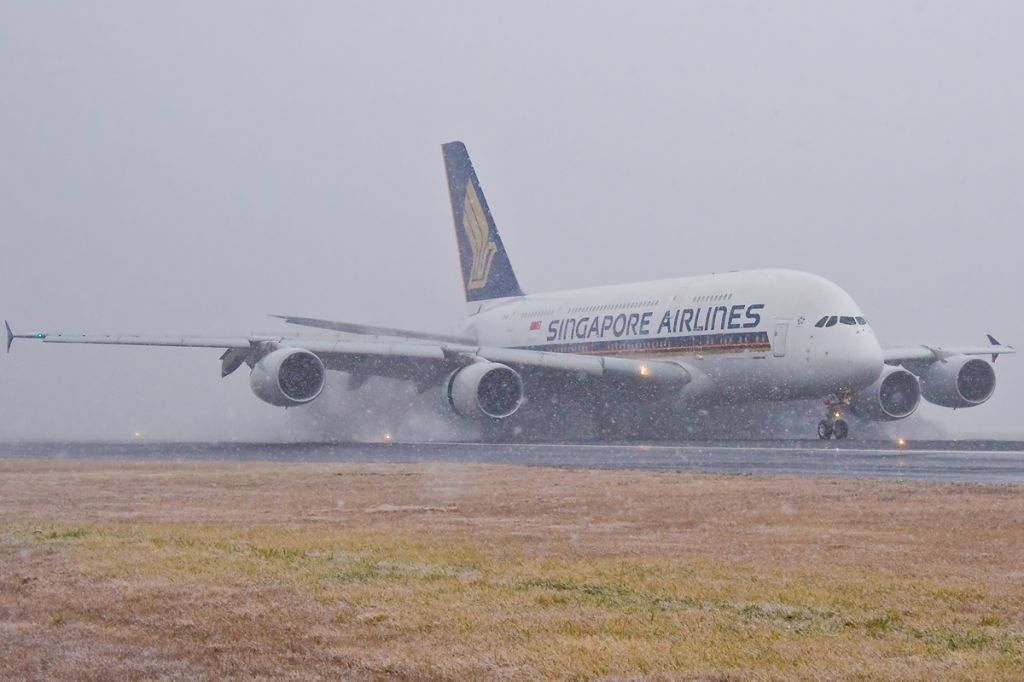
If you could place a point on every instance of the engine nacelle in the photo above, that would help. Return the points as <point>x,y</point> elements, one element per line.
<point>958,381</point>
<point>288,377</point>
<point>894,395</point>
<point>484,389</point>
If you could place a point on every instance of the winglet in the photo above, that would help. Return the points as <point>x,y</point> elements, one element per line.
<point>11,335</point>
<point>992,340</point>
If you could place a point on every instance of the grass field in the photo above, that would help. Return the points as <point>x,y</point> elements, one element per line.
<point>184,570</point>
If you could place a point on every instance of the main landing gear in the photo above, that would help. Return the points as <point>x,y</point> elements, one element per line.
<point>833,425</point>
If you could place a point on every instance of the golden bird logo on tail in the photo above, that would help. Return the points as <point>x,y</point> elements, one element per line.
<point>474,222</point>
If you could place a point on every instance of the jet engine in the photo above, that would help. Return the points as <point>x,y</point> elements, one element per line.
<point>958,381</point>
<point>894,395</point>
<point>484,389</point>
<point>288,377</point>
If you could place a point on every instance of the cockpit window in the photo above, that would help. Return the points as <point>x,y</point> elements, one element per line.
<point>833,320</point>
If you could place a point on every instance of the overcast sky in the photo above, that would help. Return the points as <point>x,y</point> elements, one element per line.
<point>193,167</point>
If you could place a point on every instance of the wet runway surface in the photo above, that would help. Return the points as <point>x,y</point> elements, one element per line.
<point>949,461</point>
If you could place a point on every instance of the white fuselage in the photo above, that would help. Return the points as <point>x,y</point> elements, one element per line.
<point>745,335</point>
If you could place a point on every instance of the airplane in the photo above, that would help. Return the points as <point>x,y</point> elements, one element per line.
<point>680,344</point>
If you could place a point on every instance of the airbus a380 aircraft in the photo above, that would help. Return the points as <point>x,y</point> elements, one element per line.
<point>710,340</point>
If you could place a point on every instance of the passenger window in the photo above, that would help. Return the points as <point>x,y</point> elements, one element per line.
<point>821,322</point>
<point>861,320</point>
<point>832,321</point>
<point>847,320</point>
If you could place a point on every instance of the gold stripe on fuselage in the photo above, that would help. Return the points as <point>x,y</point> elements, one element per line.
<point>645,353</point>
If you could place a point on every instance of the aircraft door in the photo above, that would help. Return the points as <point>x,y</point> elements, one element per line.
<point>779,339</point>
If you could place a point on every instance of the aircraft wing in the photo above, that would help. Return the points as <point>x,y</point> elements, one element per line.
<point>929,354</point>
<point>369,330</point>
<point>420,361</point>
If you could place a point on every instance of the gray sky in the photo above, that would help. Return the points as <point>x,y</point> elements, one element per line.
<point>189,167</point>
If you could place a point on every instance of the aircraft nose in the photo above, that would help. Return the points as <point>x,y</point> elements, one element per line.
<point>866,361</point>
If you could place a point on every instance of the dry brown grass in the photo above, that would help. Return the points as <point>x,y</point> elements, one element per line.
<point>266,570</point>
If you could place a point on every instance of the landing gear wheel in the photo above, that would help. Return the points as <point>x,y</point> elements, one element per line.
<point>824,429</point>
<point>840,430</point>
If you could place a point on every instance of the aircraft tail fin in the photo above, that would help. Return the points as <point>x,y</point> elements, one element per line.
<point>486,270</point>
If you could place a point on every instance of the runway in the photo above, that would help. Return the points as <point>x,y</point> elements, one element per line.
<point>943,461</point>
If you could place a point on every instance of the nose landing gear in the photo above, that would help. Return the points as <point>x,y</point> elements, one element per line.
<point>833,425</point>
